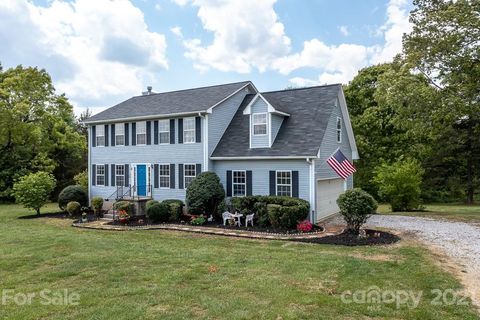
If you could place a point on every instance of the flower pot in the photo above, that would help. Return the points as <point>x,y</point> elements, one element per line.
<point>123,220</point>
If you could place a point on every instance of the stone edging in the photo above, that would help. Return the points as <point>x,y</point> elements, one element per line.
<point>102,225</point>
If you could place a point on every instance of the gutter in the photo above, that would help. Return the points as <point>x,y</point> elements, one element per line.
<point>151,117</point>
<point>262,157</point>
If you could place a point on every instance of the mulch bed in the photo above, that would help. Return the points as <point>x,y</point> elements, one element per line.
<point>371,237</point>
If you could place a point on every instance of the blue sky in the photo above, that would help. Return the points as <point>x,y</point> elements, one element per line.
<point>102,52</point>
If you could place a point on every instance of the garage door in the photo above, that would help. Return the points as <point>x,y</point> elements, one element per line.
<point>326,198</point>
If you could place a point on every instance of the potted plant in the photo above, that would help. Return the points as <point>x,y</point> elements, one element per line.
<point>123,217</point>
<point>84,217</point>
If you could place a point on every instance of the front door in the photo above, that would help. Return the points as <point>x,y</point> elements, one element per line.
<point>141,180</point>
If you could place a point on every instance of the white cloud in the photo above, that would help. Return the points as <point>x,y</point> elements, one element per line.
<point>181,2</point>
<point>247,34</point>
<point>344,30</point>
<point>95,51</point>
<point>177,31</point>
<point>158,7</point>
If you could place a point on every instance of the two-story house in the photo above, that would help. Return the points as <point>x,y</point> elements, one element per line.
<point>269,143</point>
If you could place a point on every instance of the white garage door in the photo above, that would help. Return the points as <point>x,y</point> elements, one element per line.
<point>327,194</point>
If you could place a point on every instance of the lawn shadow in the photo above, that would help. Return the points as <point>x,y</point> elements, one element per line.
<point>58,215</point>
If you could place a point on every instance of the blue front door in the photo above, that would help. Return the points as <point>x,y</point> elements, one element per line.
<point>141,180</point>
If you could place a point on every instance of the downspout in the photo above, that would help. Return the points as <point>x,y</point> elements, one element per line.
<point>89,160</point>
<point>312,189</point>
<point>205,140</point>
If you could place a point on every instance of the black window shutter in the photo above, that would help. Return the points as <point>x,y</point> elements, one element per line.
<point>180,130</point>
<point>126,136</point>
<point>113,173</point>
<point>155,175</point>
<point>198,129</point>
<point>106,135</point>
<point>127,175</point>
<point>106,175</point>
<point>229,183</point>
<point>112,131</point>
<point>94,136</point>
<point>172,131</point>
<point>134,134</point>
<point>172,176</point>
<point>273,183</point>
<point>180,176</point>
<point>149,132</point>
<point>94,175</point>
<point>155,132</point>
<point>295,184</point>
<point>249,183</point>
<point>198,169</point>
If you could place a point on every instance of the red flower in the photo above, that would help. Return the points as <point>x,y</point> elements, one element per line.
<point>304,226</point>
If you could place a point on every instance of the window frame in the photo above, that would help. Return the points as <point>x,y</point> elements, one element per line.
<point>239,183</point>
<point>97,175</point>
<point>283,184</point>
<point>97,144</point>
<point>167,131</point>
<point>189,176</point>
<point>160,175</point>
<point>122,129</point>
<point>137,133</point>
<point>117,166</point>
<point>260,124</point>
<point>338,130</point>
<point>189,130</point>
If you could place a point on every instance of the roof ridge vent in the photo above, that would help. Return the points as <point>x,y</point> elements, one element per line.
<point>148,92</point>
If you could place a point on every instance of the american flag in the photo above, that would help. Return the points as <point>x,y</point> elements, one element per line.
<point>341,165</point>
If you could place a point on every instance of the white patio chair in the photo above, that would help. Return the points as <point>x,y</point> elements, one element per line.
<point>249,218</point>
<point>226,216</point>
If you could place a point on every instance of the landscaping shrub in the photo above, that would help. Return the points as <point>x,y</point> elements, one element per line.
<point>32,190</point>
<point>97,204</point>
<point>150,203</point>
<point>176,209</point>
<point>123,205</point>
<point>400,183</point>
<point>261,214</point>
<point>205,194</point>
<point>198,221</point>
<point>356,206</point>
<point>72,193</point>
<point>73,208</point>
<point>274,214</point>
<point>81,179</point>
<point>158,212</point>
<point>304,226</point>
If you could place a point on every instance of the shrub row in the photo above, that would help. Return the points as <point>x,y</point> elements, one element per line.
<point>165,211</point>
<point>275,211</point>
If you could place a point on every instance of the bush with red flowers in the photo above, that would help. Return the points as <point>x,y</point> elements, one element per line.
<point>304,226</point>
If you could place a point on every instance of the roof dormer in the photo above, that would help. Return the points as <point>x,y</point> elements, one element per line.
<point>265,121</point>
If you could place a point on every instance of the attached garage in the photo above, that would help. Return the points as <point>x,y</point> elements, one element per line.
<point>327,192</point>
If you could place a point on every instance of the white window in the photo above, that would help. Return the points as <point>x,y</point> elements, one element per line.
<point>284,183</point>
<point>120,175</point>
<point>100,174</point>
<point>119,134</point>
<point>189,172</point>
<point>100,136</point>
<point>164,174</point>
<point>339,130</point>
<point>164,131</point>
<point>188,130</point>
<point>141,132</point>
<point>239,183</point>
<point>259,124</point>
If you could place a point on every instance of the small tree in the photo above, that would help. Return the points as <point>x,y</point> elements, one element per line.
<point>356,206</point>
<point>205,194</point>
<point>33,190</point>
<point>82,179</point>
<point>399,184</point>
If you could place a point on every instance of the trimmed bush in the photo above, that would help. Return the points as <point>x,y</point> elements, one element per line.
<point>356,206</point>
<point>32,190</point>
<point>159,212</point>
<point>73,208</point>
<point>72,193</point>
<point>261,214</point>
<point>97,204</point>
<point>176,209</point>
<point>198,221</point>
<point>205,194</point>
<point>123,205</point>
<point>150,203</point>
<point>274,214</point>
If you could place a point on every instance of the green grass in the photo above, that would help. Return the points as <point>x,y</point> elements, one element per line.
<point>459,212</point>
<point>173,275</point>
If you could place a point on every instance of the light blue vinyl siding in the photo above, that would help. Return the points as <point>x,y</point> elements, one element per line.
<point>277,121</point>
<point>329,146</point>
<point>260,173</point>
<point>259,141</point>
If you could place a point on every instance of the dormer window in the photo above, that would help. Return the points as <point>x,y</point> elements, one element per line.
<point>339,130</point>
<point>259,124</point>
<point>100,136</point>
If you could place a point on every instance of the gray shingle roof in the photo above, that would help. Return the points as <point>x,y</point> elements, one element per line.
<point>174,102</point>
<point>300,134</point>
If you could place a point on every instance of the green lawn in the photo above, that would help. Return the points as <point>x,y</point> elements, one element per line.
<point>173,275</point>
<point>460,212</point>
